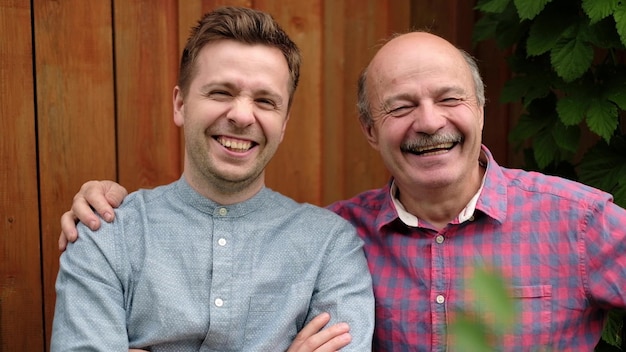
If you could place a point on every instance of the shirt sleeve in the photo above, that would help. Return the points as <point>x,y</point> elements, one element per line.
<point>604,248</point>
<point>89,312</point>
<point>344,289</point>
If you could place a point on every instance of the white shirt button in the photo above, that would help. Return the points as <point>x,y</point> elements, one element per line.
<point>439,239</point>
<point>440,299</point>
<point>223,211</point>
<point>219,302</point>
<point>221,242</point>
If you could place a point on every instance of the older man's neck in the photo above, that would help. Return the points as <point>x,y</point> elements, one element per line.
<point>440,206</point>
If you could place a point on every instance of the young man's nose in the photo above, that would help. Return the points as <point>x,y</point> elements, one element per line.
<point>241,112</point>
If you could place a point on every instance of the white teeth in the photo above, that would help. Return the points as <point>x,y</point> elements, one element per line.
<point>235,144</point>
<point>438,146</point>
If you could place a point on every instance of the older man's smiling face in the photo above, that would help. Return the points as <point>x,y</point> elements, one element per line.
<point>427,121</point>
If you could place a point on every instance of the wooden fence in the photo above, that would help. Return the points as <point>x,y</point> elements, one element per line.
<point>85,93</point>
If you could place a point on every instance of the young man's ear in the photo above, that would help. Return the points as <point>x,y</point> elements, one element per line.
<point>282,132</point>
<point>179,106</point>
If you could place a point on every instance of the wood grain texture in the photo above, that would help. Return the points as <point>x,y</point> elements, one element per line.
<point>366,25</point>
<point>75,113</point>
<point>21,320</point>
<point>336,96</point>
<point>295,170</point>
<point>146,56</point>
<point>86,93</point>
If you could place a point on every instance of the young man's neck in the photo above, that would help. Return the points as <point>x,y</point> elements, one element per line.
<point>224,192</point>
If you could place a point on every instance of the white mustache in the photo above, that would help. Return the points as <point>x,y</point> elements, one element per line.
<point>426,142</point>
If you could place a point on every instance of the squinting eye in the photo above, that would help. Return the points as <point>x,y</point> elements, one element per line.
<point>400,111</point>
<point>266,102</point>
<point>219,94</point>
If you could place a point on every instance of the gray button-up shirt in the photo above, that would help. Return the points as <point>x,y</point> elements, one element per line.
<point>178,272</point>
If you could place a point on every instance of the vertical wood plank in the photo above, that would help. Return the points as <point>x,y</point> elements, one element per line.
<point>336,93</point>
<point>75,113</point>
<point>367,24</point>
<point>146,56</point>
<point>451,19</point>
<point>21,321</point>
<point>295,170</point>
<point>499,118</point>
<point>80,72</point>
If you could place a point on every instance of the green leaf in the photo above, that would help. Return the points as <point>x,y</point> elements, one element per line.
<point>545,149</point>
<point>602,34</point>
<point>492,6</point>
<point>538,91</point>
<point>613,326</point>
<point>602,118</point>
<point>571,109</point>
<point>509,30</point>
<point>493,298</point>
<point>528,9</point>
<point>566,137</point>
<point>544,35</point>
<point>526,88</point>
<point>484,28</point>
<point>544,31</point>
<point>614,85</point>
<point>514,89</point>
<point>526,128</point>
<point>620,21</point>
<point>599,9</point>
<point>469,335</point>
<point>571,58</point>
<point>604,167</point>
<point>619,195</point>
<point>480,325</point>
<point>618,97</point>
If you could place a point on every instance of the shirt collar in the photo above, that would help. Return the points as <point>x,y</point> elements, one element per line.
<point>466,214</point>
<point>190,196</point>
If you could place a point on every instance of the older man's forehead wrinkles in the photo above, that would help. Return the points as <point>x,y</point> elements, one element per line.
<point>451,89</point>
<point>414,94</point>
<point>402,96</point>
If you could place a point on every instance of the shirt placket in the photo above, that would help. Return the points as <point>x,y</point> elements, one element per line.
<point>438,293</point>
<point>222,310</point>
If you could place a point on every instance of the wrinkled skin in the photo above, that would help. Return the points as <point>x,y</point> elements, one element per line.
<point>427,124</point>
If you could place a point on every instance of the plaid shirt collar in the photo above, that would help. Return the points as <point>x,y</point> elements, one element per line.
<point>495,194</point>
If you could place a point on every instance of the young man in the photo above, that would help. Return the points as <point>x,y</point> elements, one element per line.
<point>560,245</point>
<point>215,260</point>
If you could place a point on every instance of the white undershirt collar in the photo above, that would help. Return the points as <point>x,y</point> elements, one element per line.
<point>466,214</point>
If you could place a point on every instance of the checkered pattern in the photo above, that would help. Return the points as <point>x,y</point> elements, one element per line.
<point>559,244</point>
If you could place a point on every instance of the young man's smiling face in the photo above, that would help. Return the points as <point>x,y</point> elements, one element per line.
<point>234,115</point>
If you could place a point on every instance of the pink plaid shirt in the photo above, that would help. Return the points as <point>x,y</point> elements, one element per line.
<point>559,244</point>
